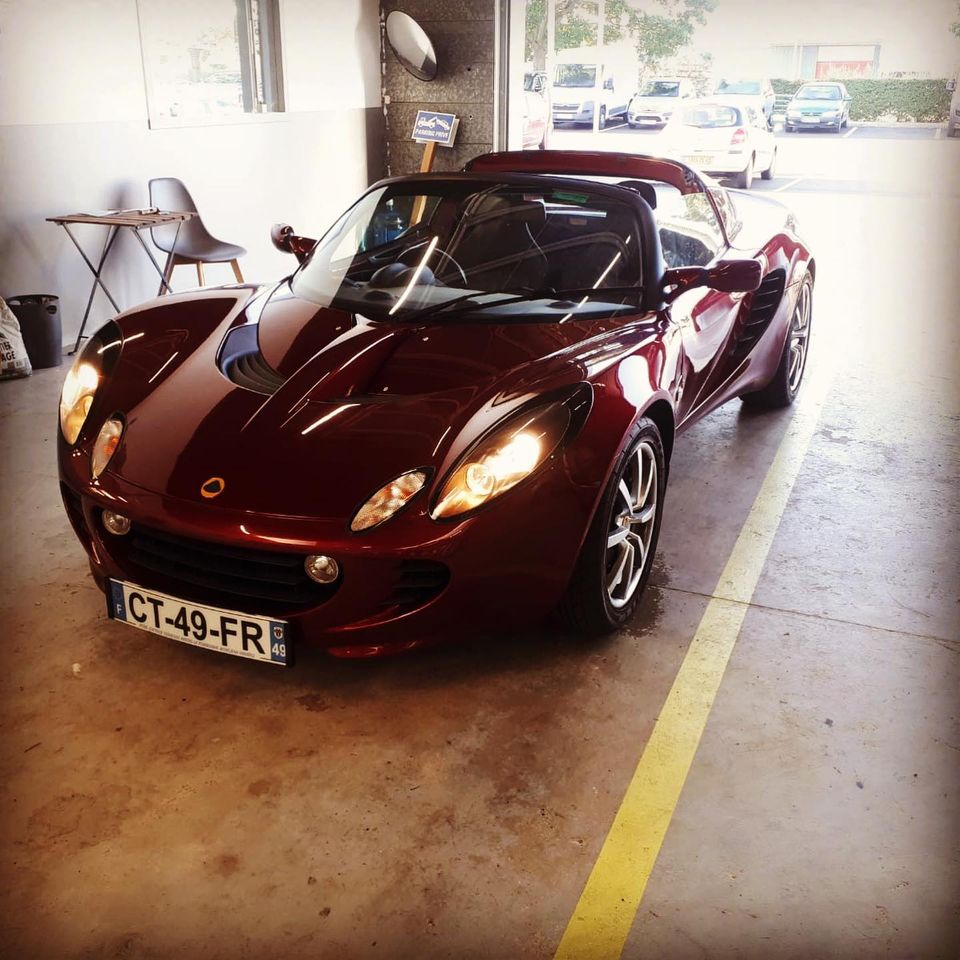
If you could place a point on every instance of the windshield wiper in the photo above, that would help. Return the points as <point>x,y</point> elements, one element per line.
<point>519,297</point>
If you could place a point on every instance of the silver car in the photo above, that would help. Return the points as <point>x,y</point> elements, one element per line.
<point>656,101</point>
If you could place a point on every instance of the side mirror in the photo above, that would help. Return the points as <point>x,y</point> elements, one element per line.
<point>608,83</point>
<point>286,241</point>
<point>729,276</point>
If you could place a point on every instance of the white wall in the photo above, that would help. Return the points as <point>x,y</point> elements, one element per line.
<point>74,136</point>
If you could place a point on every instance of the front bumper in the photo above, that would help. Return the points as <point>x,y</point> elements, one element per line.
<point>648,118</point>
<point>573,114</point>
<point>506,565</point>
<point>807,122</point>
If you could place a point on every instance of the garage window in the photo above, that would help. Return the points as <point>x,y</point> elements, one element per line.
<point>216,61</point>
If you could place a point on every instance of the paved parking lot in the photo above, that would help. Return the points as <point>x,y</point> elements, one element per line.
<point>882,161</point>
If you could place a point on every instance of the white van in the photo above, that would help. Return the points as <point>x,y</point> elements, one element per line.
<point>579,85</point>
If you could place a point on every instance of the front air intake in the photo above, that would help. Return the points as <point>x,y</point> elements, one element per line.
<point>242,363</point>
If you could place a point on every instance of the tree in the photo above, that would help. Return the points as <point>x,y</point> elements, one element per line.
<point>658,28</point>
<point>663,28</point>
<point>955,26</point>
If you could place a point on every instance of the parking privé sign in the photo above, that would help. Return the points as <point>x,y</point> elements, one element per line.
<point>433,127</point>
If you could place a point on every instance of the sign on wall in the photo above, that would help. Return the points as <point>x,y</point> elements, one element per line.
<point>433,127</point>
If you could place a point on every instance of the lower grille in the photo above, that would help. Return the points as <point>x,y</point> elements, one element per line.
<point>229,572</point>
<point>419,582</point>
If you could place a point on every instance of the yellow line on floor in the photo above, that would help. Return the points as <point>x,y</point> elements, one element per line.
<point>605,912</point>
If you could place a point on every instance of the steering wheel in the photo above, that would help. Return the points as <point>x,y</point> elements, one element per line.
<point>441,253</point>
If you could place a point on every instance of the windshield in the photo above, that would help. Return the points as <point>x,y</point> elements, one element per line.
<point>576,75</point>
<point>706,116</point>
<point>739,86</point>
<point>660,88</point>
<point>412,248</point>
<point>818,92</point>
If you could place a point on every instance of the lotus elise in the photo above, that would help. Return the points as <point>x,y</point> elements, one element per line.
<point>457,412</point>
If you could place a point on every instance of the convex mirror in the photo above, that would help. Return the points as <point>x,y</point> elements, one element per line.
<point>410,43</point>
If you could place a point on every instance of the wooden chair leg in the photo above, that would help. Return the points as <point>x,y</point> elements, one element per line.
<point>236,271</point>
<point>200,272</point>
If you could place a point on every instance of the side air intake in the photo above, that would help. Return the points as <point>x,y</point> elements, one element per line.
<point>757,312</point>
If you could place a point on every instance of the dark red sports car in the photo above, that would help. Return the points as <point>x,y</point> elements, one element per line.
<point>458,411</point>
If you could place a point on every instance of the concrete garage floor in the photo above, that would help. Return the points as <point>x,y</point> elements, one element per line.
<point>162,802</point>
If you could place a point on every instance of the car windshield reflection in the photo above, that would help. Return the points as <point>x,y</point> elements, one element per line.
<point>472,249</point>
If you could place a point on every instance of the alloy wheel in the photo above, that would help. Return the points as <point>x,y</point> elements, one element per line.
<point>632,526</point>
<point>799,336</point>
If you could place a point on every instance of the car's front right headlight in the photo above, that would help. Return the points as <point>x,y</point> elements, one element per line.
<point>511,452</point>
<point>83,380</point>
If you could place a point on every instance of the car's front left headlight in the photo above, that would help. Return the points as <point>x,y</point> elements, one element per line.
<point>91,365</point>
<point>511,452</point>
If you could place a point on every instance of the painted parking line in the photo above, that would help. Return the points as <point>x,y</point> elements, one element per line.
<point>609,902</point>
<point>789,184</point>
<point>850,132</point>
<point>608,128</point>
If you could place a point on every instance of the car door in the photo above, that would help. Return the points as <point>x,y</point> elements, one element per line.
<point>691,235</point>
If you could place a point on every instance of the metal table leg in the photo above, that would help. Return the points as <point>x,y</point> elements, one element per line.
<point>95,270</point>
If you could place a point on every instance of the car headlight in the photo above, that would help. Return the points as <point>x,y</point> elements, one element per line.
<point>389,499</point>
<point>105,446</point>
<point>90,366</point>
<point>510,453</point>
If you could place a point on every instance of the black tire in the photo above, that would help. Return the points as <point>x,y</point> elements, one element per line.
<point>768,173</point>
<point>782,390</point>
<point>603,118</point>
<point>745,177</point>
<point>586,607</point>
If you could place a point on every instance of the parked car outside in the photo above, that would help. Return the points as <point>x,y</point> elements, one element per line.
<point>822,104</point>
<point>759,93</point>
<point>655,102</point>
<point>725,138</point>
<point>577,87</point>
<point>536,112</point>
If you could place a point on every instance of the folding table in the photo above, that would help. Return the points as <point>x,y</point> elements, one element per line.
<point>116,220</point>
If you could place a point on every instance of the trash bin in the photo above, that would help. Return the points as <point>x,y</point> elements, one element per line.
<point>39,317</point>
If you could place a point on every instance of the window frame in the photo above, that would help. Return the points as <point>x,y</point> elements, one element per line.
<point>271,13</point>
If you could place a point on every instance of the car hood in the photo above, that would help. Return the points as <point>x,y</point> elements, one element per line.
<point>359,403</point>
<point>817,106</point>
<point>643,103</point>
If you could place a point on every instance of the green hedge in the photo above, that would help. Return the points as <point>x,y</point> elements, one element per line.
<point>920,100</point>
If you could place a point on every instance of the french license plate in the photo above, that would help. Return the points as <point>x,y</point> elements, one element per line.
<point>223,631</point>
<point>696,161</point>
<point>810,119</point>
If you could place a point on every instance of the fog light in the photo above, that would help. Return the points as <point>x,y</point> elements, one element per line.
<point>320,568</point>
<point>116,523</point>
